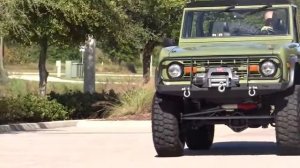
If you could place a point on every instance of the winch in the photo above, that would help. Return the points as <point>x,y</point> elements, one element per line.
<point>221,78</point>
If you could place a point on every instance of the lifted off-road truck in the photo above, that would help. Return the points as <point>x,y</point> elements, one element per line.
<point>237,63</point>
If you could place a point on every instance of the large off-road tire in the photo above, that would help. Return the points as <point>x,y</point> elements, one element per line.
<point>200,138</point>
<point>287,123</point>
<point>166,129</point>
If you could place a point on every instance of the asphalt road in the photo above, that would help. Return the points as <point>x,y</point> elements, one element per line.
<point>105,144</point>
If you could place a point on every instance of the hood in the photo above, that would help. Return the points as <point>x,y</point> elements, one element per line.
<point>228,48</point>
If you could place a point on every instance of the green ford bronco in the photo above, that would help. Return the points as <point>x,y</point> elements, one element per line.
<point>237,63</point>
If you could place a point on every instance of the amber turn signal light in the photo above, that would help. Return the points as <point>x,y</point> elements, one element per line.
<point>253,68</point>
<point>188,70</point>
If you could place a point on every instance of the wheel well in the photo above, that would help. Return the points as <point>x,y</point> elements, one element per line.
<point>297,74</point>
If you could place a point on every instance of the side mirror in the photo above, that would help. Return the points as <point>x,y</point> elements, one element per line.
<point>167,42</point>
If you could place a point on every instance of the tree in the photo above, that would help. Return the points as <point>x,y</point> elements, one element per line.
<point>158,18</point>
<point>58,22</point>
<point>3,13</point>
<point>122,27</point>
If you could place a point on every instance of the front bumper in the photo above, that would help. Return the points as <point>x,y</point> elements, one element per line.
<point>235,92</point>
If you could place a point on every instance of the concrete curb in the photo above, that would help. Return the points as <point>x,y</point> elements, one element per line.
<point>36,126</point>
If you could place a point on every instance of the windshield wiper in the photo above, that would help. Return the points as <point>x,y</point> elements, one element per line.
<point>228,9</point>
<point>260,9</point>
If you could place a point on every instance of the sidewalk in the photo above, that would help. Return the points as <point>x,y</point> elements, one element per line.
<point>35,77</point>
<point>63,74</point>
<point>37,126</point>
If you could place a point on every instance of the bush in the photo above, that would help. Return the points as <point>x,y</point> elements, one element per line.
<point>31,108</point>
<point>133,102</point>
<point>86,105</point>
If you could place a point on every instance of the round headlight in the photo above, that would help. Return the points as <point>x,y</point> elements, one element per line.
<point>268,68</point>
<point>175,71</point>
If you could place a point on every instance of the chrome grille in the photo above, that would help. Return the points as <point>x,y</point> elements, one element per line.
<point>239,65</point>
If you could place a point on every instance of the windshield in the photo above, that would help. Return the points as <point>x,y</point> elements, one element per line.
<point>236,22</point>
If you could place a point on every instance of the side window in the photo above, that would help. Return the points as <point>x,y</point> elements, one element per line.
<point>197,25</point>
<point>295,20</point>
<point>188,25</point>
<point>193,26</point>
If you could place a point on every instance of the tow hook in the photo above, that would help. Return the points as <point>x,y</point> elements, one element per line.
<point>221,87</point>
<point>186,92</point>
<point>252,91</point>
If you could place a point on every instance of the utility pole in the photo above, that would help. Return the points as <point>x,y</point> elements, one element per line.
<point>89,62</point>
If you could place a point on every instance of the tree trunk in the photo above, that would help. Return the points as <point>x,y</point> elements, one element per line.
<point>42,66</point>
<point>148,49</point>
<point>3,73</point>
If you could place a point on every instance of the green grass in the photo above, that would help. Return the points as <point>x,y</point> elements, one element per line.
<point>16,87</point>
<point>22,87</point>
<point>111,68</point>
<point>121,79</point>
<point>29,67</point>
<point>132,102</point>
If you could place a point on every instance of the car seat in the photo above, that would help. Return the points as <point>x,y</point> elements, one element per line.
<point>220,29</point>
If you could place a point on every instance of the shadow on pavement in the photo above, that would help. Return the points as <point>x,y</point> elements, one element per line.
<point>236,148</point>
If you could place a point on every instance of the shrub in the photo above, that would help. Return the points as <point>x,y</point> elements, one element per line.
<point>86,105</point>
<point>132,102</point>
<point>63,87</point>
<point>31,108</point>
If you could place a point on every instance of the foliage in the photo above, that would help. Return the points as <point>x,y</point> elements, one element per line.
<point>122,27</point>
<point>19,104</point>
<point>86,105</point>
<point>156,53</point>
<point>63,54</point>
<point>132,102</point>
<point>157,17</point>
<point>63,22</point>
<point>59,23</point>
<point>17,54</point>
<point>31,108</point>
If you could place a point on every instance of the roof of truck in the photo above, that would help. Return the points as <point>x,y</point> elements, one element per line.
<point>214,3</point>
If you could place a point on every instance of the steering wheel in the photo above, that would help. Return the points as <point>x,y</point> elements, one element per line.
<point>267,30</point>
